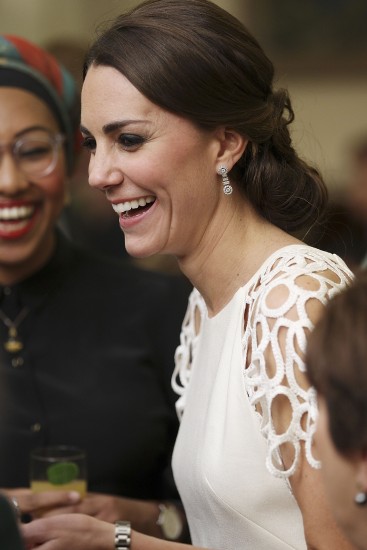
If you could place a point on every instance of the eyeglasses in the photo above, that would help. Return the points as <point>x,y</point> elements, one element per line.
<point>36,153</point>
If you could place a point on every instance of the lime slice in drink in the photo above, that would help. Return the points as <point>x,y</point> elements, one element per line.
<point>62,472</point>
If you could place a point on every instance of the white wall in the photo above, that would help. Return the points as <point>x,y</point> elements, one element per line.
<point>43,20</point>
<point>330,115</point>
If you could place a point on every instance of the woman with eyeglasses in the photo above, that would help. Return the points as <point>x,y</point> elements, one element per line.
<point>86,343</point>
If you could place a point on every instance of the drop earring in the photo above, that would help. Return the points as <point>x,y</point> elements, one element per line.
<point>227,187</point>
<point>360,498</point>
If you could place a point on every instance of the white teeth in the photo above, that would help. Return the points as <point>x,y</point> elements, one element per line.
<point>5,227</point>
<point>16,212</point>
<point>130,205</point>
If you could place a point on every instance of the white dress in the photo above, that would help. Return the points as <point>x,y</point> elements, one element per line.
<point>226,461</point>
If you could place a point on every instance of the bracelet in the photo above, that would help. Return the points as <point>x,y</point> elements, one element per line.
<point>122,535</point>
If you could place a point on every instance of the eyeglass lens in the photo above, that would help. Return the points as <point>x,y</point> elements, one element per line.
<point>36,154</point>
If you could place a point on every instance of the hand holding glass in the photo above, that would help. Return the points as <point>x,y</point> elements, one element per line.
<point>58,468</point>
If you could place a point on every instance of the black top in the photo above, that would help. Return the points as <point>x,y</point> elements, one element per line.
<point>95,371</point>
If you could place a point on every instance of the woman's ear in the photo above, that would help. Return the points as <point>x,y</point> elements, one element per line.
<point>231,147</point>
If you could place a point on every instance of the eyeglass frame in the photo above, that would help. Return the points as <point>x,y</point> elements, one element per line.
<point>55,140</point>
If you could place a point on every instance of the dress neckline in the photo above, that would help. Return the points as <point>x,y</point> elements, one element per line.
<point>269,260</point>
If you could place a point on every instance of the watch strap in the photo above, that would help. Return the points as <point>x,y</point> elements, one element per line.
<point>122,535</point>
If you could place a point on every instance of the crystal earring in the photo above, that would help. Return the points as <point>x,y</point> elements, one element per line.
<point>361,498</point>
<point>227,187</point>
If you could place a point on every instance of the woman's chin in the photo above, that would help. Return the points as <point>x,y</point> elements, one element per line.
<point>139,252</point>
<point>141,249</point>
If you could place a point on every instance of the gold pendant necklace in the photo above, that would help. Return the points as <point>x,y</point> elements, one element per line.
<point>13,343</point>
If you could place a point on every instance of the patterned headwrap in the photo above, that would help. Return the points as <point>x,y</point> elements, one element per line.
<point>27,66</point>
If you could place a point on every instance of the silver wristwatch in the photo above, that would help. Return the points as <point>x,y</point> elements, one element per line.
<point>122,535</point>
<point>170,521</point>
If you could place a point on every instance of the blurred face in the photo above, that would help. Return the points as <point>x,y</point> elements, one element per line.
<point>29,204</point>
<point>157,169</point>
<point>340,479</point>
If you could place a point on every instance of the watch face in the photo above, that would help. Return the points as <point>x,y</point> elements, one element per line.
<point>170,522</point>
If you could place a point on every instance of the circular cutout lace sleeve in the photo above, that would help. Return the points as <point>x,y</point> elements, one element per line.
<point>282,306</point>
<point>281,303</point>
<point>185,351</point>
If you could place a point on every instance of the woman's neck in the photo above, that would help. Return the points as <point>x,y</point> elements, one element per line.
<point>13,273</point>
<point>226,263</point>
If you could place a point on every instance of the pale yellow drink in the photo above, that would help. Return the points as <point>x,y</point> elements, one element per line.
<point>58,468</point>
<point>78,485</point>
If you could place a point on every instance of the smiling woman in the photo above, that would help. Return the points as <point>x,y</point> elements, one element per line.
<point>179,105</point>
<point>38,144</point>
<point>31,151</point>
<point>129,162</point>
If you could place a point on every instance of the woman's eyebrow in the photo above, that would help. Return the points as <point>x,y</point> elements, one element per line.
<point>84,130</point>
<point>113,126</point>
<point>32,129</point>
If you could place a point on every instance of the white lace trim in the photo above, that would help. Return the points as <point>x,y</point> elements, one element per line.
<point>186,349</point>
<point>323,274</point>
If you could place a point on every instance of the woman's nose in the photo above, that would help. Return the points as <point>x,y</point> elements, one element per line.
<point>104,171</point>
<point>12,179</point>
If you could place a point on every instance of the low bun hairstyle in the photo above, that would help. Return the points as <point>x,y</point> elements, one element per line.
<point>194,59</point>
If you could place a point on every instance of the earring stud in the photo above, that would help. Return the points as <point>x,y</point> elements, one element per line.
<point>227,187</point>
<point>360,498</point>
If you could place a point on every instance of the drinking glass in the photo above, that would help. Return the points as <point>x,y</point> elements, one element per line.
<point>60,467</point>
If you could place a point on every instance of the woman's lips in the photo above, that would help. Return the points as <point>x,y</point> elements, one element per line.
<point>134,211</point>
<point>127,208</point>
<point>17,219</point>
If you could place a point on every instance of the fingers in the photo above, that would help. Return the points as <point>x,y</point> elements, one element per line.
<point>52,499</point>
<point>91,505</point>
<point>49,512</point>
<point>34,533</point>
<point>39,531</point>
<point>33,503</point>
<point>76,531</point>
<point>100,506</point>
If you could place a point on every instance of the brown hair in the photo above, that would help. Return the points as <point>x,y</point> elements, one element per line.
<point>336,361</point>
<point>194,59</point>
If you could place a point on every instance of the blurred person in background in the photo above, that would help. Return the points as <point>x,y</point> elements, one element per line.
<point>336,361</point>
<point>86,342</point>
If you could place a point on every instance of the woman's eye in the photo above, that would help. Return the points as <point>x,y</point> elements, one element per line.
<point>35,152</point>
<point>89,144</point>
<point>130,141</point>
